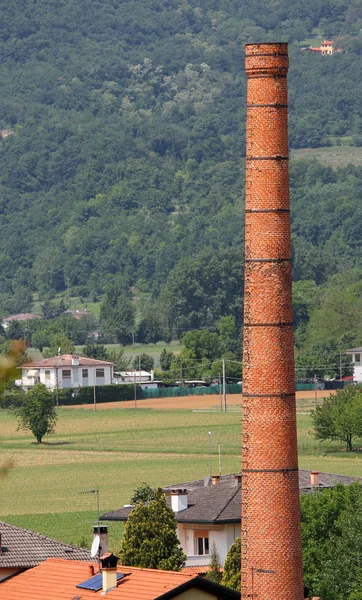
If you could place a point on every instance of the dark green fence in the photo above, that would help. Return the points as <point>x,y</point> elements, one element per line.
<point>119,393</point>
<point>174,392</point>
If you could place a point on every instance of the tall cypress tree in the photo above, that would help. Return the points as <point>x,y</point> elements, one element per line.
<point>150,539</point>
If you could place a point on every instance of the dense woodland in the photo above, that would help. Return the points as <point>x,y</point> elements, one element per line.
<point>124,167</point>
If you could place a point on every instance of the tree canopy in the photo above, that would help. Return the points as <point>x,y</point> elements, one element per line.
<point>38,413</point>
<point>150,539</point>
<point>121,131</point>
<point>340,416</point>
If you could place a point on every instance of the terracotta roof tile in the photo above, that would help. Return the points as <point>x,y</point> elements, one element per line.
<point>65,360</point>
<point>23,548</point>
<point>56,579</point>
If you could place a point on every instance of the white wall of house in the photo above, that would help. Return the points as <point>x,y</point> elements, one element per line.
<point>357,365</point>
<point>222,535</point>
<point>71,376</point>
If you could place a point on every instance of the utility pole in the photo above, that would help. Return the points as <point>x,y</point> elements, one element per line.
<point>94,397</point>
<point>340,365</point>
<point>220,392</point>
<point>209,436</point>
<point>315,390</point>
<point>224,383</point>
<point>135,390</point>
<point>219,454</point>
<point>57,385</point>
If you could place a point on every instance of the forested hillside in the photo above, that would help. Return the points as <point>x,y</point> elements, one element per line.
<point>123,136</point>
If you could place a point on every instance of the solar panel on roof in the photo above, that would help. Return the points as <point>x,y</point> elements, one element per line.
<point>95,583</point>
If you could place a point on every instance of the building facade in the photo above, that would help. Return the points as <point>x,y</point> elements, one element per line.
<point>66,371</point>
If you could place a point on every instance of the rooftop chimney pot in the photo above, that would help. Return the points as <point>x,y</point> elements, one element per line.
<point>215,479</point>
<point>109,571</point>
<point>178,500</point>
<point>103,537</point>
<point>314,478</point>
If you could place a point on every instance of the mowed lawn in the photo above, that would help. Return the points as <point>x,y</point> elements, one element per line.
<point>115,451</point>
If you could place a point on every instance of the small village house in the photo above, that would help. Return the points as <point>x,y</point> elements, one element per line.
<point>66,371</point>
<point>209,512</point>
<point>326,48</point>
<point>21,318</point>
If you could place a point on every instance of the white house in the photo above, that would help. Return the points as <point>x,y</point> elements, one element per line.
<point>20,318</point>
<point>66,371</point>
<point>209,511</point>
<point>356,354</point>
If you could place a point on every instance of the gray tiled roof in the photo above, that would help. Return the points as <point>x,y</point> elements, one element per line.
<point>22,548</point>
<point>221,503</point>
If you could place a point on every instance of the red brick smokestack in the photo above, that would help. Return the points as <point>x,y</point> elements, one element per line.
<point>271,539</point>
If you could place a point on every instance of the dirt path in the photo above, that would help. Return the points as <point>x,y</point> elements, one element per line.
<point>189,402</point>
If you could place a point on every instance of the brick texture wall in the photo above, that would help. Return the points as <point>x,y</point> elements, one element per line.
<point>271,539</point>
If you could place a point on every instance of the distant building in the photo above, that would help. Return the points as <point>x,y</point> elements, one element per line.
<point>20,317</point>
<point>326,48</point>
<point>134,377</point>
<point>77,314</point>
<point>356,354</point>
<point>66,371</point>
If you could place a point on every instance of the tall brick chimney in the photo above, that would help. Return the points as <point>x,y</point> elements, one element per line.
<point>271,539</point>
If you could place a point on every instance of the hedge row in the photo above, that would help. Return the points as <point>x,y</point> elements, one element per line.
<point>104,393</point>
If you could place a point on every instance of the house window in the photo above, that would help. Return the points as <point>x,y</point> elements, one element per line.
<point>66,374</point>
<point>99,373</point>
<point>85,373</point>
<point>47,375</point>
<point>201,542</point>
<point>357,358</point>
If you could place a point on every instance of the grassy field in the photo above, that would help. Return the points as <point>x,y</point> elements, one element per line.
<point>115,451</point>
<point>334,156</point>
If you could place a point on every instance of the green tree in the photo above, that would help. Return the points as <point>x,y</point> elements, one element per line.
<point>40,339</point>
<point>59,340</point>
<point>340,576</point>
<point>143,493</point>
<point>143,361</point>
<point>119,359</point>
<point>150,539</point>
<point>232,568</point>
<point>230,339</point>
<point>166,359</point>
<point>214,573</point>
<point>203,344</point>
<point>117,315</point>
<point>319,522</point>
<point>97,351</point>
<point>38,414</point>
<point>340,416</point>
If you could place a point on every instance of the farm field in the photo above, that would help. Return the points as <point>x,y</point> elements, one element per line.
<point>115,451</point>
<point>334,156</point>
<point>130,351</point>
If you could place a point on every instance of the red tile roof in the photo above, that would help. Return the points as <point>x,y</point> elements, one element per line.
<point>65,360</point>
<point>56,579</point>
<point>21,317</point>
